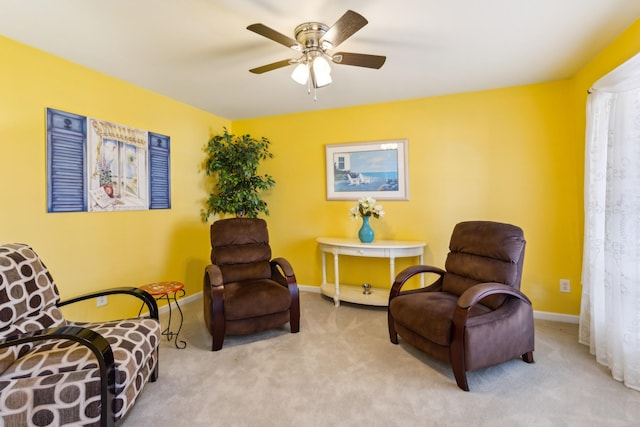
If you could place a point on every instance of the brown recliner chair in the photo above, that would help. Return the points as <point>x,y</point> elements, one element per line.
<point>245,291</point>
<point>474,315</point>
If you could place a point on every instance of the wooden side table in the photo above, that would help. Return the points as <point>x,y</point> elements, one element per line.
<point>168,291</point>
<point>390,249</point>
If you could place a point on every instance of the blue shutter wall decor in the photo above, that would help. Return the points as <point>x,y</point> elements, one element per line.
<point>159,169</point>
<point>67,185</point>
<point>66,162</point>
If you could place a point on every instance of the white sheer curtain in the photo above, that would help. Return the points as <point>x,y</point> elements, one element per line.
<point>610,312</point>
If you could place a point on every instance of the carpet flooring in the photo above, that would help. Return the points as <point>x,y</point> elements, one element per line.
<point>342,370</point>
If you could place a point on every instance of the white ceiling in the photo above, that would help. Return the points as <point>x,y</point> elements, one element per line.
<point>199,51</point>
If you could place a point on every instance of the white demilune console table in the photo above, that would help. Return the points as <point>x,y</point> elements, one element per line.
<point>391,249</point>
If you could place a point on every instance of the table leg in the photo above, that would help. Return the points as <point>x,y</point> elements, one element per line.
<point>422,275</point>
<point>175,300</point>
<point>392,269</point>
<point>336,274</point>
<point>324,268</point>
<point>167,331</point>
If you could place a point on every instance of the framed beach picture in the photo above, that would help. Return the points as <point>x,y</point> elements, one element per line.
<point>375,169</point>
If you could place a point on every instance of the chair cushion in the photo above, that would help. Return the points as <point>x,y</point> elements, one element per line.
<point>240,247</point>
<point>28,294</point>
<point>245,271</point>
<point>484,251</point>
<point>489,239</point>
<point>28,298</point>
<point>429,314</point>
<point>68,398</point>
<point>254,298</point>
<point>133,342</point>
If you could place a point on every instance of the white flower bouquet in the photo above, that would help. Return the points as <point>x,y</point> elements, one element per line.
<point>366,207</point>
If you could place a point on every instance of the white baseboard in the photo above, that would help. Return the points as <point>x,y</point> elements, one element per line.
<point>312,289</point>
<point>198,295</point>
<point>192,297</point>
<point>181,301</point>
<point>541,315</point>
<point>556,317</point>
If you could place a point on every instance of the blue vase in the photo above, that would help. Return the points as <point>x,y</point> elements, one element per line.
<point>366,233</point>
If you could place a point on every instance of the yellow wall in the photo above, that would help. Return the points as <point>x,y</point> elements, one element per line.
<point>513,154</point>
<point>89,251</point>
<point>497,155</point>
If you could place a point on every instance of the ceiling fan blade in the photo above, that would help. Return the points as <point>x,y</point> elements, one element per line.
<point>271,67</point>
<point>271,34</point>
<point>359,59</point>
<point>344,28</point>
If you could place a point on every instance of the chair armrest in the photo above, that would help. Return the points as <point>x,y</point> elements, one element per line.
<point>282,272</point>
<point>473,296</point>
<point>146,298</point>
<point>409,272</point>
<point>213,297</point>
<point>476,293</point>
<point>213,274</point>
<point>467,300</point>
<point>284,265</point>
<point>213,287</point>
<point>95,342</point>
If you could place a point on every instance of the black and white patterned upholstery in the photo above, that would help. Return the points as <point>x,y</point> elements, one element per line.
<point>51,381</point>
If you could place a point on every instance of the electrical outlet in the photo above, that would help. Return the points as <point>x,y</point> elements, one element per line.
<point>565,285</point>
<point>102,301</point>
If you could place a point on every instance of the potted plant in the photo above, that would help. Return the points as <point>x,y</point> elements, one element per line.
<point>234,161</point>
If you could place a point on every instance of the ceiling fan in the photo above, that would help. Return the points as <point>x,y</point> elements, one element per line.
<point>314,40</point>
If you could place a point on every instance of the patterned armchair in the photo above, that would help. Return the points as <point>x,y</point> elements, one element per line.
<point>54,371</point>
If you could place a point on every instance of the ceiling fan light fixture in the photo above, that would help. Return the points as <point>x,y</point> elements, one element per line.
<point>314,40</point>
<point>301,73</point>
<point>322,80</point>
<point>321,71</point>
<point>321,65</point>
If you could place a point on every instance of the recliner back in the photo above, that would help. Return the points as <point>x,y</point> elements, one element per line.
<point>484,251</point>
<point>240,247</point>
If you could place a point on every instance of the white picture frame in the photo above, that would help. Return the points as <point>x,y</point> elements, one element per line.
<point>377,169</point>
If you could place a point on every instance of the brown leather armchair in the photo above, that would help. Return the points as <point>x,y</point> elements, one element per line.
<point>245,291</point>
<point>474,315</point>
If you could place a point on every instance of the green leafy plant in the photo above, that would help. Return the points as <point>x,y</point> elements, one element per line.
<point>234,161</point>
